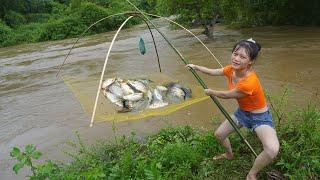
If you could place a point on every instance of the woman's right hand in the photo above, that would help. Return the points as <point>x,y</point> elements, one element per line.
<point>192,66</point>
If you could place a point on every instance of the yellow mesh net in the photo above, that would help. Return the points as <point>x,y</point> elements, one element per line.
<point>85,91</point>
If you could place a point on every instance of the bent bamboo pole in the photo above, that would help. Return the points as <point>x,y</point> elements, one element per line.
<point>104,68</point>
<point>215,100</point>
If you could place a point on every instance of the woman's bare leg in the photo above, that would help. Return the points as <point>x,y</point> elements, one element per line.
<point>270,142</point>
<point>222,136</point>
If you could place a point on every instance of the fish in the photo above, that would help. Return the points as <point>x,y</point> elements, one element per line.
<point>136,105</point>
<point>114,99</point>
<point>145,81</point>
<point>157,95</point>
<point>126,88</point>
<point>162,88</point>
<point>133,97</point>
<point>175,91</point>
<point>107,83</point>
<point>157,104</point>
<point>137,86</point>
<point>115,88</point>
<point>157,100</point>
<point>187,92</point>
<point>176,95</point>
<point>150,97</point>
<point>139,105</point>
<point>119,80</point>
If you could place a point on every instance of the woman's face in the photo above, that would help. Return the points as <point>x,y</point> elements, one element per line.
<point>240,59</point>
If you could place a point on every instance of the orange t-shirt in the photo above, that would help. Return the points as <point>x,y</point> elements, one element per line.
<point>249,85</point>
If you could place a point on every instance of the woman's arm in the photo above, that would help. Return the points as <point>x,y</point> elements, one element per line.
<point>234,93</point>
<point>212,72</point>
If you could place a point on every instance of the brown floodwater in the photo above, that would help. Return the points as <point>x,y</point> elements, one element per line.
<point>38,108</point>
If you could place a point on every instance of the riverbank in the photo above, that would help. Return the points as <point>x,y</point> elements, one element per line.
<point>184,152</point>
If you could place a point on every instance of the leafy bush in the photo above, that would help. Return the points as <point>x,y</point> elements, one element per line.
<point>90,13</point>
<point>62,28</point>
<point>29,33</point>
<point>53,20</point>
<point>300,142</point>
<point>14,19</point>
<point>6,35</point>
<point>37,17</point>
<point>37,6</point>
<point>25,158</point>
<point>75,4</point>
<point>59,9</point>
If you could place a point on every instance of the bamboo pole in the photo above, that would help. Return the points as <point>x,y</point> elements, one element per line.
<point>104,68</point>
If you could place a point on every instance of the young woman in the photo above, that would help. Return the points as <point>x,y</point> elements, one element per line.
<point>253,112</point>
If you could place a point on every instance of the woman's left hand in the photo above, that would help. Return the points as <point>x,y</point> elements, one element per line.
<point>208,92</point>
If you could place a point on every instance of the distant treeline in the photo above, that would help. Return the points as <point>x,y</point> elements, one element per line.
<point>243,13</point>
<point>41,20</point>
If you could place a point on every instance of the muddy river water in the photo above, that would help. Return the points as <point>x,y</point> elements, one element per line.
<point>38,108</point>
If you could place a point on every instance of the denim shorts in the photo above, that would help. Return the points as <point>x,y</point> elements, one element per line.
<point>253,120</point>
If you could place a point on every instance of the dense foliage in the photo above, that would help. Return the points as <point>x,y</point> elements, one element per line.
<point>243,12</point>
<point>49,18</point>
<point>38,20</point>
<point>186,153</point>
<point>271,12</point>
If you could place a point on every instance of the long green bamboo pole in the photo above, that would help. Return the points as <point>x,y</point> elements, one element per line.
<point>215,100</point>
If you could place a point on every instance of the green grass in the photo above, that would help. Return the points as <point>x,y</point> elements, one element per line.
<point>185,153</point>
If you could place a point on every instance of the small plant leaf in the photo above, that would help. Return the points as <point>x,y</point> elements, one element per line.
<point>159,165</point>
<point>15,152</point>
<point>17,167</point>
<point>24,159</point>
<point>36,154</point>
<point>29,148</point>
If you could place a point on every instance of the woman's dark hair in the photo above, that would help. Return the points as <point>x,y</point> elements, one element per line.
<point>252,48</point>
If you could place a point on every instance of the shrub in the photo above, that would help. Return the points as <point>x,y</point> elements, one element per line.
<point>29,32</point>
<point>6,35</point>
<point>62,28</point>
<point>90,13</point>
<point>59,10</point>
<point>37,6</point>
<point>14,19</point>
<point>300,142</point>
<point>37,18</point>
